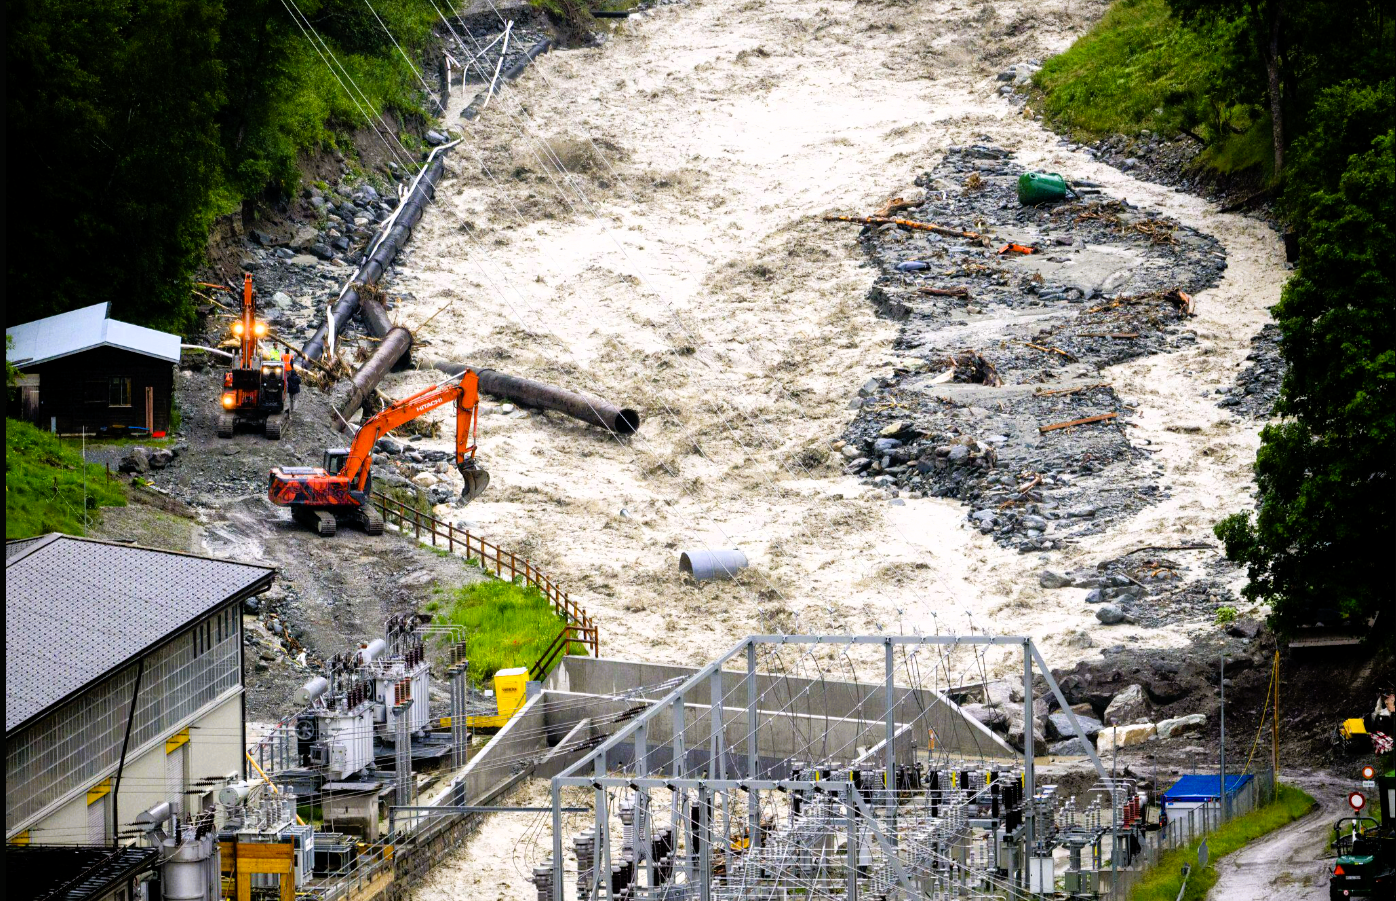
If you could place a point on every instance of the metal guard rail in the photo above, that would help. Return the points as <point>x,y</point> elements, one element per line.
<point>491,555</point>
<point>570,634</point>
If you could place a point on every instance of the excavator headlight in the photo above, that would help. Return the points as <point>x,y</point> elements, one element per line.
<point>259,329</point>
<point>230,399</point>
<point>237,329</point>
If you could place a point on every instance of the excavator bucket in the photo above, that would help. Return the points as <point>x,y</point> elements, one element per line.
<point>476,481</point>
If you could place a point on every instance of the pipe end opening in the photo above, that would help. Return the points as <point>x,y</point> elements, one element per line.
<point>628,422</point>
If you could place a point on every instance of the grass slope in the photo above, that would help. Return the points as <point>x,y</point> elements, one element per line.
<point>1139,69</point>
<point>1163,881</point>
<point>44,484</point>
<point>507,625</point>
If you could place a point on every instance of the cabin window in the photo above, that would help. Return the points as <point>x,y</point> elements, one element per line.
<point>120,392</point>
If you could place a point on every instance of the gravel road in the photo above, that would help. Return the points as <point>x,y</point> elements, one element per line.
<point>1289,864</point>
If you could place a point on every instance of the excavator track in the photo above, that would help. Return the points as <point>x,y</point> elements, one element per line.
<point>225,425</point>
<point>371,520</point>
<point>322,521</point>
<point>272,428</point>
<point>325,523</point>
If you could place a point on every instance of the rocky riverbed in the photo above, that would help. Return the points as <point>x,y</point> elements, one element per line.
<point>1008,334</point>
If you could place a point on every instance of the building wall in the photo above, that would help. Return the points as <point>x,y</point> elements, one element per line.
<point>59,757</point>
<point>78,390</point>
<point>213,750</point>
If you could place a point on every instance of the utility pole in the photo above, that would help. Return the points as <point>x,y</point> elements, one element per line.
<point>1275,723</point>
<point>84,477</point>
<point>1221,799</point>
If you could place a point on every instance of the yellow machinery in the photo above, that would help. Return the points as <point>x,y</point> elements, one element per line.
<point>510,692</point>
<point>1352,736</point>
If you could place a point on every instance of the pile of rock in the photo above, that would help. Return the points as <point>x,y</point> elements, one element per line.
<point>974,407</point>
<point>1258,384</point>
<point>400,463</point>
<point>1129,710</point>
<point>140,459</point>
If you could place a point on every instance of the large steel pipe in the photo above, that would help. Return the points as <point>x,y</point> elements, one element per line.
<point>391,349</point>
<point>382,254</point>
<point>588,409</point>
<point>473,108</point>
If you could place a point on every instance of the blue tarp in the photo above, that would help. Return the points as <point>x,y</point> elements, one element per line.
<point>1198,788</point>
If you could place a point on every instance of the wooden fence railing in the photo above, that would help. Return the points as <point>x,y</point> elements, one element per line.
<point>426,527</point>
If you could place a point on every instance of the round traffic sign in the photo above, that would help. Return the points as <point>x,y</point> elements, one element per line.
<point>1369,772</point>
<point>1357,801</point>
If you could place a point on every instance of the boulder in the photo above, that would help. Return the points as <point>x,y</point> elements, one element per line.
<point>1059,726</point>
<point>320,250</point>
<point>1015,732</point>
<point>435,138</point>
<point>1243,629</point>
<point>1113,737</point>
<point>303,237</point>
<point>388,445</point>
<point>1128,706</point>
<point>136,460</point>
<point>895,429</point>
<point>1192,724</point>
<point>991,717</point>
<point>160,458</point>
<point>424,480</point>
<point>1049,579</point>
<point>1071,747</point>
<point>1110,615</point>
<point>998,694</point>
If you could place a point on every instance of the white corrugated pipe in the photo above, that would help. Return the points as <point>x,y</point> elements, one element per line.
<point>719,564</point>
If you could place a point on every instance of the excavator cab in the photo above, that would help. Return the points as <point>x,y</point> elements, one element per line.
<point>335,458</point>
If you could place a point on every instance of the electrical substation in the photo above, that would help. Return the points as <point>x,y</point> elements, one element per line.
<point>746,782</point>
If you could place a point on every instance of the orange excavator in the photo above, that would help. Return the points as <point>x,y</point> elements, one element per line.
<point>320,496</point>
<point>254,390</point>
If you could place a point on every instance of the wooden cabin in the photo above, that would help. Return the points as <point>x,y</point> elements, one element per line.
<point>82,371</point>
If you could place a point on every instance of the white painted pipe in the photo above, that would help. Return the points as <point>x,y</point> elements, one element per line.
<point>719,564</point>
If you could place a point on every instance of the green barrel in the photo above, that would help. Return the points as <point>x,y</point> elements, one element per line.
<point>1041,187</point>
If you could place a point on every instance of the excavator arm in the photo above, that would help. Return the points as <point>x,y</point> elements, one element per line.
<point>464,391</point>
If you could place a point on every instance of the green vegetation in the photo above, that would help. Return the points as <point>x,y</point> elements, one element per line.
<point>1300,94</point>
<point>135,124</point>
<point>507,625</point>
<point>1163,881</point>
<point>1226,615</point>
<point>1141,69</point>
<point>1136,69</point>
<point>44,484</point>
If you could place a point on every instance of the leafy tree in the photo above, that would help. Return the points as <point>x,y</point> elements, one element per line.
<point>1319,546</point>
<point>1287,52</point>
<point>108,109</point>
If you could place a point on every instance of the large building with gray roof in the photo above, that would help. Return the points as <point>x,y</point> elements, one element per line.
<point>91,627</point>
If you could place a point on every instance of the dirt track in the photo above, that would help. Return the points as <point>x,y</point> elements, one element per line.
<point>1292,863</point>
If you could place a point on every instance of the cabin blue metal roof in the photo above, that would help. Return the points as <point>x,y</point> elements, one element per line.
<point>75,331</point>
<point>1204,788</point>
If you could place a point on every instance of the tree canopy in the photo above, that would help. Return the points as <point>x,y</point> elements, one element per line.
<point>132,125</point>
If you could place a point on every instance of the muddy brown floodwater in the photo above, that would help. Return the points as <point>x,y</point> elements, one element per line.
<point>679,265</point>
